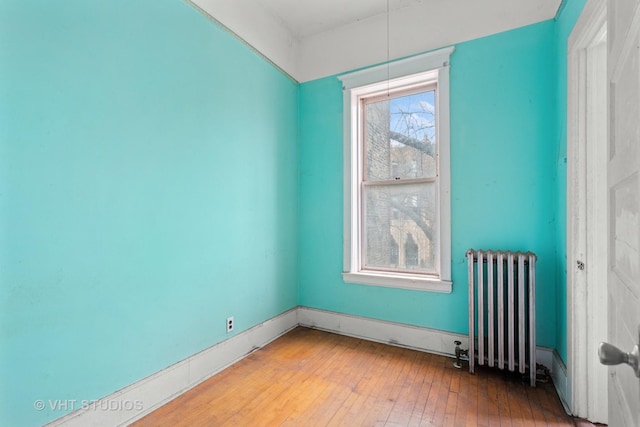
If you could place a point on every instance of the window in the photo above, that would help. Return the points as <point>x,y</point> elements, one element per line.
<point>397,215</point>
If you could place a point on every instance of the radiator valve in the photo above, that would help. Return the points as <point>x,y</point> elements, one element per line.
<point>460,355</point>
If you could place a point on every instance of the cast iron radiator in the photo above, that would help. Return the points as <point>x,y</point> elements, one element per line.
<point>502,310</point>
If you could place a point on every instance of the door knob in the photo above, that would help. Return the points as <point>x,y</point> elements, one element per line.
<point>612,355</point>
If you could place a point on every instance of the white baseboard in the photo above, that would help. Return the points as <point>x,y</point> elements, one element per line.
<point>561,381</point>
<point>142,397</point>
<point>403,335</point>
<point>558,371</point>
<point>544,356</point>
<point>400,334</point>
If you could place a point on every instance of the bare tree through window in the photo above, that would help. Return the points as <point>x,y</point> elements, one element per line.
<point>399,189</point>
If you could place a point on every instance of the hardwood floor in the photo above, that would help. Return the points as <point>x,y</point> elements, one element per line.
<point>314,378</point>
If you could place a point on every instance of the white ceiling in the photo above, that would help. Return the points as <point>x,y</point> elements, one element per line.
<point>310,39</point>
<point>308,17</point>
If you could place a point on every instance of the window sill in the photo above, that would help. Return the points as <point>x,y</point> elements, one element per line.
<point>402,281</point>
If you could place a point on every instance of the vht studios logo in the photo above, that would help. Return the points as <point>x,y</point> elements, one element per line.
<point>94,405</point>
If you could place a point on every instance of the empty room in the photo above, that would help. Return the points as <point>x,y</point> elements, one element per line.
<point>288,212</point>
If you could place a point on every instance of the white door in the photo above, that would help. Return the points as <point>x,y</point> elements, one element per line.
<point>623,32</point>
<point>587,212</point>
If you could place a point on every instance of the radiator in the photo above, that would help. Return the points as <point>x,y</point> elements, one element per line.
<point>502,290</point>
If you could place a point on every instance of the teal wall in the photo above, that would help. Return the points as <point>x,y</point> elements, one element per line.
<point>503,186</point>
<point>147,158</point>
<point>148,190</point>
<point>565,21</point>
<point>508,137</point>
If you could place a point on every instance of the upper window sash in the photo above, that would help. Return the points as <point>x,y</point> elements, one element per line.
<point>363,101</point>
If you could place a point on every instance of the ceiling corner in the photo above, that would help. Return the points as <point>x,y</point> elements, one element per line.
<point>255,26</point>
<point>334,40</point>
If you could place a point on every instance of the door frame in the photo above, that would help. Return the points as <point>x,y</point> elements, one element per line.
<point>587,321</point>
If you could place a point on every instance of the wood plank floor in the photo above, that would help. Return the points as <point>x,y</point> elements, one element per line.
<point>314,378</point>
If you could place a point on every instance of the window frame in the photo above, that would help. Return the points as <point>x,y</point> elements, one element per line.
<point>417,71</point>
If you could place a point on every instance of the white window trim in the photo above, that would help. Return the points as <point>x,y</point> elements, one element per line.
<point>385,77</point>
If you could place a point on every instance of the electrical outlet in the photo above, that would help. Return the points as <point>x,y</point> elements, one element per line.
<point>229,324</point>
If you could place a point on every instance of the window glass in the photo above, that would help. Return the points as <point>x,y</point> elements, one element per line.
<point>398,217</point>
<point>400,137</point>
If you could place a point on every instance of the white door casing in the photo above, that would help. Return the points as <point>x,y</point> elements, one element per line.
<point>586,212</point>
<point>623,32</point>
